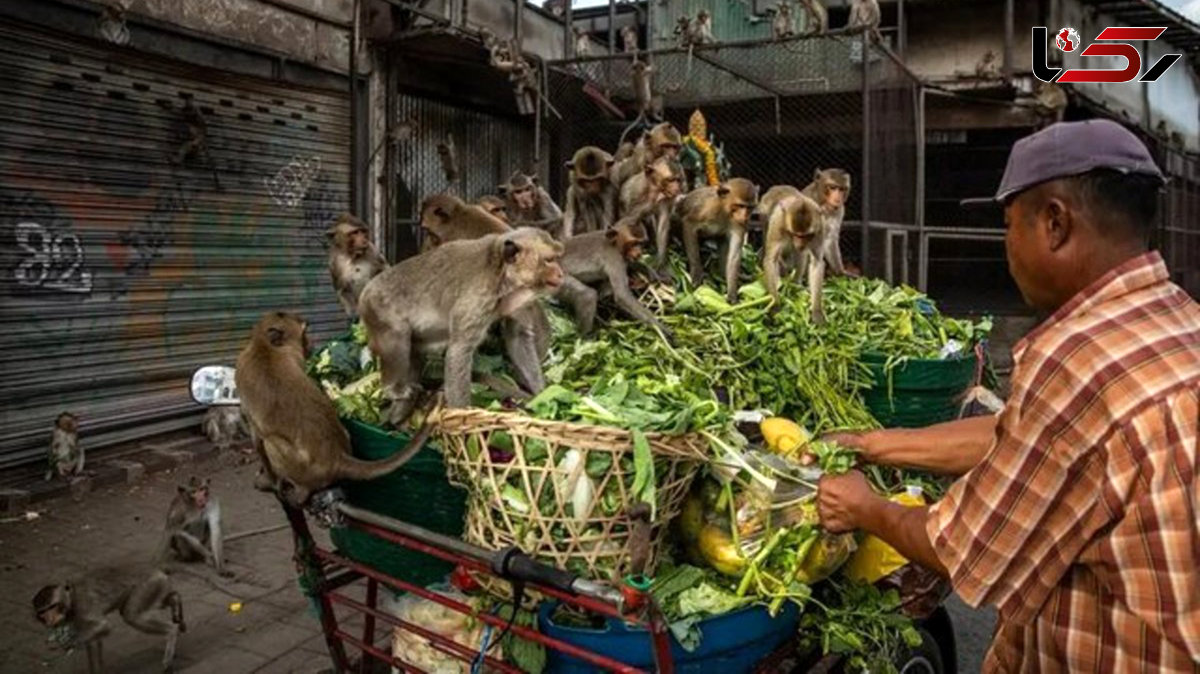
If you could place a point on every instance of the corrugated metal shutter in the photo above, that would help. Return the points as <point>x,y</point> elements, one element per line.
<point>125,267</point>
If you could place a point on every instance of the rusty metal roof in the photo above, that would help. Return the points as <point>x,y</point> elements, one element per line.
<point>1181,31</point>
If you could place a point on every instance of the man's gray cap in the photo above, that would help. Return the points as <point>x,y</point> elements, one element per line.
<point>1067,149</point>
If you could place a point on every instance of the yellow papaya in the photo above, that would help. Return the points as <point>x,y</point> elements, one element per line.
<point>783,436</point>
<point>717,548</point>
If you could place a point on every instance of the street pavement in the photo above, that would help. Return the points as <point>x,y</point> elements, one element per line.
<point>274,632</point>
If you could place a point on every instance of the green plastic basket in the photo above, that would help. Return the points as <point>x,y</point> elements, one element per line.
<point>923,392</point>
<point>417,493</point>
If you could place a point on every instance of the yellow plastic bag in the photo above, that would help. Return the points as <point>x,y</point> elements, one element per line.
<point>875,559</point>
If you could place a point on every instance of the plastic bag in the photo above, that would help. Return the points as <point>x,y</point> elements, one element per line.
<point>418,651</point>
<point>876,559</point>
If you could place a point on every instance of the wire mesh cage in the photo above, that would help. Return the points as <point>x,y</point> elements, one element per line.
<point>776,110</point>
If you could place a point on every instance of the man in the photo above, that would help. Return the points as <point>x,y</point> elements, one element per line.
<point>1077,512</point>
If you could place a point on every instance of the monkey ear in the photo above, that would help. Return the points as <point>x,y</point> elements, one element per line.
<point>609,163</point>
<point>816,174</point>
<point>275,336</point>
<point>441,213</point>
<point>611,234</point>
<point>510,250</point>
<point>502,190</point>
<point>722,191</point>
<point>570,165</point>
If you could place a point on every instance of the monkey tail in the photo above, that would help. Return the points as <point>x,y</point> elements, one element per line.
<point>351,468</point>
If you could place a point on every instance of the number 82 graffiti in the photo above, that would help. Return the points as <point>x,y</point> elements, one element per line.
<point>51,261</point>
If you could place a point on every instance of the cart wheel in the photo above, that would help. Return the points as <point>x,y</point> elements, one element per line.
<point>924,659</point>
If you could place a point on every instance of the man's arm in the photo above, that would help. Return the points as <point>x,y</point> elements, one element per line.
<point>950,448</point>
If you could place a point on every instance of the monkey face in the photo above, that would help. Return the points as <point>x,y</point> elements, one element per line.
<point>592,185</point>
<point>524,197</point>
<point>497,210</point>
<point>52,616</point>
<point>835,195</point>
<point>67,422</point>
<point>49,605</point>
<point>531,258</point>
<point>359,242</point>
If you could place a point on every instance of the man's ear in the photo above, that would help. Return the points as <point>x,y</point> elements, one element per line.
<point>1059,223</point>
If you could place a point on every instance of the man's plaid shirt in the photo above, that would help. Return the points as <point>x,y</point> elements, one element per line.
<point>1081,524</point>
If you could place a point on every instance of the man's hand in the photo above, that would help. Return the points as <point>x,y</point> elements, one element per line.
<point>843,500</point>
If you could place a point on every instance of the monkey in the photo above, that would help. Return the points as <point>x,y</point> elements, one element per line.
<point>583,43</point>
<point>556,7</point>
<point>196,145</point>
<point>448,156</point>
<point>1052,102</point>
<point>495,207</point>
<point>445,217</point>
<point>795,228</point>
<point>224,425</point>
<point>784,23</point>
<point>402,132</point>
<point>701,30</point>
<point>75,610</point>
<point>530,204</point>
<point>654,193</point>
<point>110,26</point>
<point>830,188</point>
<point>987,67</point>
<point>591,196</point>
<point>416,307</point>
<point>661,140</point>
<point>353,260</point>
<point>304,446</point>
<point>506,57</point>
<point>816,16</point>
<point>66,456</point>
<point>683,31</point>
<point>722,210</point>
<point>526,333</point>
<point>629,39</point>
<point>193,528</point>
<point>643,88</point>
<point>865,15</point>
<point>603,258</point>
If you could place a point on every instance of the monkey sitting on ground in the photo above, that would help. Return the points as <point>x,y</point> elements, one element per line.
<point>66,456</point>
<point>830,188</point>
<point>225,426</point>
<point>661,141</point>
<point>795,229</point>
<point>591,196</point>
<point>353,260</point>
<point>193,529</point>
<point>75,611</point>
<point>865,15</point>
<point>303,445</point>
<point>445,217</point>
<point>602,258</point>
<point>495,207</point>
<point>654,193</point>
<point>530,204</point>
<point>710,211</point>
<point>784,23</point>
<point>446,300</point>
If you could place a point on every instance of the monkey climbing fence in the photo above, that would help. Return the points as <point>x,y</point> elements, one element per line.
<point>776,110</point>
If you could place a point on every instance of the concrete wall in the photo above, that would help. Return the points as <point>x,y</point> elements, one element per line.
<point>946,42</point>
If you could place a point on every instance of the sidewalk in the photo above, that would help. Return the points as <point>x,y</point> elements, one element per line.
<point>274,632</point>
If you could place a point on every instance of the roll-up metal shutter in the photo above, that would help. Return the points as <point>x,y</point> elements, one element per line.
<point>128,261</point>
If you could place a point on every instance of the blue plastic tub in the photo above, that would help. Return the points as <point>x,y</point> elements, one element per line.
<point>730,643</point>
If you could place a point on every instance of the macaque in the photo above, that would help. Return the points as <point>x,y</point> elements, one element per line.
<point>495,207</point>
<point>683,31</point>
<point>591,196</point>
<point>556,7</point>
<point>1052,102</point>
<point>445,217</point>
<point>653,194</point>
<point>662,140</point>
<point>988,66</point>
<point>110,26</point>
<point>530,205</point>
<point>830,188</point>
<point>629,39</point>
<point>75,611</point>
<point>193,529</point>
<point>353,260</point>
<point>816,16</point>
<point>446,300</point>
<point>303,445</point>
<point>602,258</point>
<point>784,23</point>
<point>701,30</point>
<point>65,456</point>
<point>865,15</point>
<point>506,57</point>
<point>722,210</point>
<point>196,145</point>
<point>648,105</point>
<point>449,159</point>
<point>795,229</point>
<point>224,425</point>
<point>583,43</point>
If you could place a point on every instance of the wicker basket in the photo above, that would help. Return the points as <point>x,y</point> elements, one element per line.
<point>593,543</point>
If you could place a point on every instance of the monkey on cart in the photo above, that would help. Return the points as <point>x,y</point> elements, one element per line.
<point>796,237</point>
<point>76,611</point>
<point>353,260</point>
<point>715,211</point>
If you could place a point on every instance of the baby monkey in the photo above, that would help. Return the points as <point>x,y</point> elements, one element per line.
<point>75,611</point>
<point>65,455</point>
